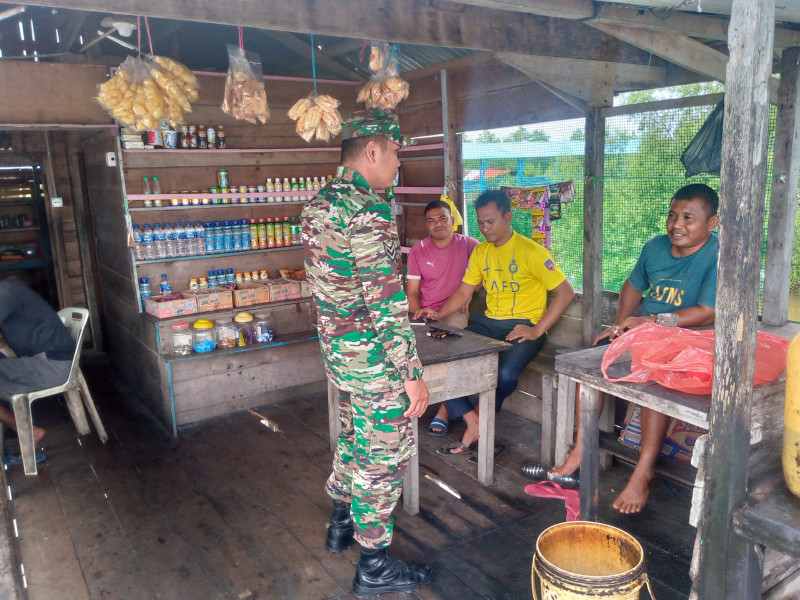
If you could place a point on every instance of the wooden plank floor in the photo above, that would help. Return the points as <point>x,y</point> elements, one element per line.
<point>232,509</point>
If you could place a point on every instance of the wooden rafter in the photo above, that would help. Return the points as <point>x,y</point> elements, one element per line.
<point>302,48</point>
<point>679,49</point>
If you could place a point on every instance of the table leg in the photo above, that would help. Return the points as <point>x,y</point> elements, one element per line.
<point>334,421</point>
<point>486,439</point>
<point>590,452</point>
<point>548,419</point>
<point>565,418</point>
<point>411,480</point>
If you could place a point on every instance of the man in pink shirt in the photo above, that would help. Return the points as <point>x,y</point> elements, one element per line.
<point>436,266</point>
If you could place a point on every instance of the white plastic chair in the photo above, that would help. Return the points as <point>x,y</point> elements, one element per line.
<point>75,320</point>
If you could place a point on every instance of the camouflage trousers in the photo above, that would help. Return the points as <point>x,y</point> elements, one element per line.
<point>370,461</point>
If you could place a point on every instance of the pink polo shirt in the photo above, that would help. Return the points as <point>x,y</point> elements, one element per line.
<point>439,269</point>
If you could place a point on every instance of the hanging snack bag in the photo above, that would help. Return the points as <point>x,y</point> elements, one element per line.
<point>132,97</point>
<point>179,87</point>
<point>317,115</point>
<point>245,96</point>
<point>385,89</point>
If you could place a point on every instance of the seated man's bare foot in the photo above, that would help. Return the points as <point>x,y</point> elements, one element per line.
<point>470,434</point>
<point>38,434</point>
<point>570,464</point>
<point>633,498</point>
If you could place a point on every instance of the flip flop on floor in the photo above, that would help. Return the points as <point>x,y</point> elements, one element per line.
<point>499,450</point>
<point>461,449</point>
<point>438,427</point>
<point>11,460</point>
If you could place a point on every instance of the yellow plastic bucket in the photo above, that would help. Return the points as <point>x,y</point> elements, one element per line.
<point>577,560</point>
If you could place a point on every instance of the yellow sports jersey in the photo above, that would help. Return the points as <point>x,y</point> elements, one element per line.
<point>516,276</point>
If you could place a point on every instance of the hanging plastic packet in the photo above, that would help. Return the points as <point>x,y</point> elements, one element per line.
<point>385,89</point>
<point>245,96</point>
<point>317,115</point>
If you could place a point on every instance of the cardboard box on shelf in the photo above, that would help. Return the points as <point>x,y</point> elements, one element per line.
<point>284,289</point>
<point>217,298</point>
<point>679,441</point>
<point>171,308</point>
<point>251,293</point>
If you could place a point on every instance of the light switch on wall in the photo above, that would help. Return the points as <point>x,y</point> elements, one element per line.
<point>111,159</point>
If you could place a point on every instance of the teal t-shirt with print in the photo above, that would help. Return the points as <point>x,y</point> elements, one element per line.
<point>673,282</point>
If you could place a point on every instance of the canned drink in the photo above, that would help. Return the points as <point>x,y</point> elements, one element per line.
<point>205,200</point>
<point>192,136</point>
<point>170,138</point>
<point>174,202</point>
<point>224,189</point>
<point>211,136</point>
<point>184,137</point>
<point>242,190</point>
<point>251,189</point>
<point>148,203</point>
<point>158,202</point>
<point>222,177</point>
<point>185,202</point>
<point>261,189</point>
<point>196,201</point>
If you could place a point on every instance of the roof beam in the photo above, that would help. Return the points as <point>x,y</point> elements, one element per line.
<point>331,50</point>
<point>680,50</point>
<point>582,72</point>
<point>440,23</point>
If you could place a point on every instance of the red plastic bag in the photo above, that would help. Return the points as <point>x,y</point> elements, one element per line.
<point>683,359</point>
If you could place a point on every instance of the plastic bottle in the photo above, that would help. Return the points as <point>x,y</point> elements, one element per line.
<point>144,290</point>
<point>309,188</point>
<point>188,232</point>
<point>230,276</point>
<point>209,233</point>
<point>316,184</point>
<point>159,241</point>
<point>221,277</point>
<point>791,419</point>
<point>155,186</point>
<point>148,243</point>
<point>294,187</point>
<point>138,246</point>
<point>146,187</point>
<point>262,234</point>
<point>270,185</point>
<point>287,187</point>
<point>297,232</point>
<point>237,236</point>
<point>270,234</point>
<point>164,287</point>
<point>535,471</point>
<point>199,239</point>
<point>278,185</point>
<point>227,232</point>
<point>287,232</point>
<point>244,230</point>
<point>180,239</point>
<point>169,235</point>
<point>219,241</point>
<point>253,234</point>
<point>212,278</point>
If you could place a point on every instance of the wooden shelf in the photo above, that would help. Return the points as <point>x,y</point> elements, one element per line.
<point>279,340</point>
<point>211,196</point>
<point>33,263</point>
<point>17,229</point>
<point>162,159</point>
<point>215,255</point>
<point>220,206</point>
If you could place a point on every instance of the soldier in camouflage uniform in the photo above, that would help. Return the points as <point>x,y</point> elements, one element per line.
<point>368,347</point>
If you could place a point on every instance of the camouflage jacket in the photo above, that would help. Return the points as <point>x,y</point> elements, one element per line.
<point>352,249</point>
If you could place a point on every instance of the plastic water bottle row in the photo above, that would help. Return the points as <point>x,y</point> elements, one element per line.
<point>154,242</point>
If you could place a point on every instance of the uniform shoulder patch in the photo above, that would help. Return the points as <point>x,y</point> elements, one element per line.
<point>550,264</point>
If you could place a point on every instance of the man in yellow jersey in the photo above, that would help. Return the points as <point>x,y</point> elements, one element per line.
<point>517,274</point>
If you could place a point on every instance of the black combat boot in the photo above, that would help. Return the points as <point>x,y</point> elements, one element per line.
<point>378,573</point>
<point>340,532</point>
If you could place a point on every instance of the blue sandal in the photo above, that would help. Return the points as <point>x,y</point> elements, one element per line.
<point>438,427</point>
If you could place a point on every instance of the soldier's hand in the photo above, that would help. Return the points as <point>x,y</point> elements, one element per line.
<point>417,392</point>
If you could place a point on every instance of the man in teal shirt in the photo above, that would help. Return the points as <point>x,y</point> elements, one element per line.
<point>678,272</point>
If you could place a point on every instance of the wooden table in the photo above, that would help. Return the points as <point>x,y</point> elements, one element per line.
<point>454,367</point>
<point>583,366</point>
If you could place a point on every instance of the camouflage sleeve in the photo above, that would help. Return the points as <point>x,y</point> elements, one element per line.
<point>376,250</point>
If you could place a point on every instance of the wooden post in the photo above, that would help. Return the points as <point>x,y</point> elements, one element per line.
<point>726,566</point>
<point>451,149</point>
<point>783,202</point>
<point>602,96</point>
<point>55,225</point>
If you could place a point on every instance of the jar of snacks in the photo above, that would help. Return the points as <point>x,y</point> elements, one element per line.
<point>181,338</point>
<point>203,336</point>
<point>246,329</point>
<point>264,329</point>
<point>226,333</point>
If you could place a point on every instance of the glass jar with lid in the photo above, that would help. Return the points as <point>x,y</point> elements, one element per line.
<point>226,333</point>
<point>264,329</point>
<point>245,328</point>
<point>203,336</point>
<point>181,338</point>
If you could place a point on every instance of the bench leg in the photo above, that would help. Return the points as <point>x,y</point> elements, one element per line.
<point>590,453</point>
<point>334,421</point>
<point>411,480</point>
<point>486,438</point>
<point>606,423</point>
<point>565,418</point>
<point>549,414</point>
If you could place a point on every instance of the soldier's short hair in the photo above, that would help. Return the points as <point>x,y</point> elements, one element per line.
<point>499,197</point>
<point>437,204</point>
<point>353,148</point>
